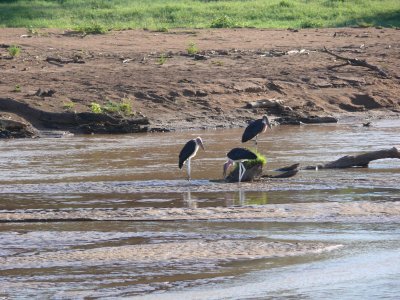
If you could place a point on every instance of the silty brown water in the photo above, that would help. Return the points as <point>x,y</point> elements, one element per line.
<point>93,176</point>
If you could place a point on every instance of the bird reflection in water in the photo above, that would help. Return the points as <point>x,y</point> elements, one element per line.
<point>188,201</point>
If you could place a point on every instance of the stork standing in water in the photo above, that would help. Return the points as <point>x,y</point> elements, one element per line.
<point>238,155</point>
<point>188,152</point>
<point>255,128</point>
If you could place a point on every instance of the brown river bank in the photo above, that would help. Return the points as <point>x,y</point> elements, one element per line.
<point>238,75</point>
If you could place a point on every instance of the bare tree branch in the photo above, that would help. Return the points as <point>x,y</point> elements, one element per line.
<point>357,62</point>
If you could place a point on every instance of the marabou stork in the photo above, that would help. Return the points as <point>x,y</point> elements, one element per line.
<point>238,155</point>
<point>188,152</point>
<point>255,128</point>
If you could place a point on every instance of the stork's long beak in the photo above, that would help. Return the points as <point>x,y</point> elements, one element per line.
<point>269,124</point>
<point>226,167</point>
<point>201,145</point>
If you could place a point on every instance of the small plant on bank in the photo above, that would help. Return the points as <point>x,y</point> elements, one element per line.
<point>162,29</point>
<point>126,107</point>
<point>68,106</point>
<point>162,59</point>
<point>14,50</point>
<point>17,88</point>
<point>32,31</point>
<point>192,49</point>
<point>94,28</point>
<point>95,108</point>
<point>223,22</point>
<point>123,108</point>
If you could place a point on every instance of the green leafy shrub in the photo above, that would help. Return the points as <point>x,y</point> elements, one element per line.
<point>223,22</point>
<point>93,28</point>
<point>14,50</point>
<point>95,108</point>
<point>192,49</point>
<point>124,108</point>
<point>162,59</point>
<point>17,88</point>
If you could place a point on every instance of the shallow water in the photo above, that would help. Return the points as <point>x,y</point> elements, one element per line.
<point>90,173</point>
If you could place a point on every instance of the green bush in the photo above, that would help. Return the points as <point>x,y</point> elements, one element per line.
<point>192,49</point>
<point>223,22</point>
<point>95,108</point>
<point>14,50</point>
<point>93,28</point>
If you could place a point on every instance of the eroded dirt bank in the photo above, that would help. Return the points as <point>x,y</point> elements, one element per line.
<point>59,74</point>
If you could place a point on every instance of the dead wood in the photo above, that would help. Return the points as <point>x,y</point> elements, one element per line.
<point>284,172</point>
<point>62,61</point>
<point>356,62</point>
<point>361,160</point>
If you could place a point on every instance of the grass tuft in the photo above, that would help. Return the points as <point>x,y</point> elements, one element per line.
<point>192,49</point>
<point>223,22</point>
<point>95,108</point>
<point>14,50</point>
<point>93,28</point>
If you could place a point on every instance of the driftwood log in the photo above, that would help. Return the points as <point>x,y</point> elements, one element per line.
<point>357,62</point>
<point>361,160</point>
<point>256,171</point>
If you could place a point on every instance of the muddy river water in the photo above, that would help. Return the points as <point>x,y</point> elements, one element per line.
<point>112,216</point>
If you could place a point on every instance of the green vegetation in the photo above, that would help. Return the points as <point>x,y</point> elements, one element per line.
<point>95,108</point>
<point>223,22</point>
<point>260,160</point>
<point>162,59</point>
<point>98,16</point>
<point>17,88</point>
<point>14,50</point>
<point>68,105</point>
<point>124,108</point>
<point>111,107</point>
<point>192,49</point>
<point>93,28</point>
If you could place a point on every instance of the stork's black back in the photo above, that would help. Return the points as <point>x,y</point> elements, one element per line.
<point>186,152</point>
<point>237,154</point>
<point>254,128</point>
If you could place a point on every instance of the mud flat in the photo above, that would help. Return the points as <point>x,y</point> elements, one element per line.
<point>368,212</point>
<point>226,250</point>
<point>285,73</point>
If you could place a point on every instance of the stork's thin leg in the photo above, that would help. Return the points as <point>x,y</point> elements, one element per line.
<point>188,168</point>
<point>242,169</point>
<point>255,142</point>
<point>240,172</point>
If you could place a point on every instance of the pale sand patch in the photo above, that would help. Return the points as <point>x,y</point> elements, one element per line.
<point>362,211</point>
<point>175,252</point>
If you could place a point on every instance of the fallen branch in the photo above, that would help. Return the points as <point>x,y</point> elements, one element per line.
<point>356,62</point>
<point>61,61</point>
<point>361,160</point>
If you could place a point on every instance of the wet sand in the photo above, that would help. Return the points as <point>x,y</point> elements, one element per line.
<point>299,212</point>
